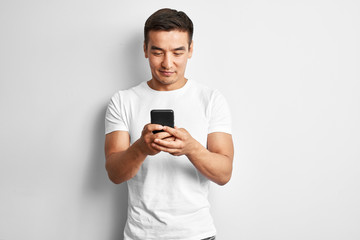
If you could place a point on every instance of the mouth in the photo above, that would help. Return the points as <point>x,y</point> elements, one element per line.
<point>167,73</point>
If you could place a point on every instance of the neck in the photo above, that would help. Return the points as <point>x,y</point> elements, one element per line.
<point>158,86</point>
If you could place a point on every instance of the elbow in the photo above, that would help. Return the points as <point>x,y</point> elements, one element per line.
<point>114,179</point>
<point>223,180</point>
<point>225,176</point>
<point>111,175</point>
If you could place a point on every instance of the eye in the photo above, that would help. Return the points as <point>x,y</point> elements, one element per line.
<point>157,53</point>
<point>178,53</point>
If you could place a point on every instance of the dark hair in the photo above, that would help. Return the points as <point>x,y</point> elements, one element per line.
<point>167,19</point>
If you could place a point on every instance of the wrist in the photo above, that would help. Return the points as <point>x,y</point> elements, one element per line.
<point>139,148</point>
<point>195,149</point>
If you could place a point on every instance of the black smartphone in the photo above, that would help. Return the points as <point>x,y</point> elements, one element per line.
<point>163,117</point>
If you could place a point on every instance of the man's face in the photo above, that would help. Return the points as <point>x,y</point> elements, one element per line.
<point>168,53</point>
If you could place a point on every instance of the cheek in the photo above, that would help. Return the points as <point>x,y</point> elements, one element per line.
<point>151,64</point>
<point>154,62</point>
<point>181,63</point>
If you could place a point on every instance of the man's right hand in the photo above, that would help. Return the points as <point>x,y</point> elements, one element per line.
<point>148,137</point>
<point>124,161</point>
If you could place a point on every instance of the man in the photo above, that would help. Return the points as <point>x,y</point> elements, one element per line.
<point>168,173</point>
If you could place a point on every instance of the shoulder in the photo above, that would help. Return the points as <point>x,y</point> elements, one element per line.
<point>205,92</point>
<point>129,93</point>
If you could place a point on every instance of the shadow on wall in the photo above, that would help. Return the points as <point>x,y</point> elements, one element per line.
<point>136,64</point>
<point>97,184</point>
<point>100,190</point>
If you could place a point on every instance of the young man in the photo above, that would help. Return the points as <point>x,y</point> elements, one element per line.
<point>168,173</point>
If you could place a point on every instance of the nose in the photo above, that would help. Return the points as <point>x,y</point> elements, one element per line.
<point>166,61</point>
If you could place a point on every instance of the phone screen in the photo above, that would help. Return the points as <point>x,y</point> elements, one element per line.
<point>164,117</point>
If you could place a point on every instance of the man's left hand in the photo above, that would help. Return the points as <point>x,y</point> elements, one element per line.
<point>183,144</point>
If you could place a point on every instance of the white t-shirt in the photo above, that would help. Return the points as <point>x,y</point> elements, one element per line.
<point>168,197</point>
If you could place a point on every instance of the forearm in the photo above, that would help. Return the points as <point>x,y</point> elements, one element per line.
<point>122,166</point>
<point>216,167</point>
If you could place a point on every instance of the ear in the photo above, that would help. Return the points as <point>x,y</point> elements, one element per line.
<point>145,50</point>
<point>191,48</point>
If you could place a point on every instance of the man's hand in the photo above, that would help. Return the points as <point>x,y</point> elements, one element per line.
<point>123,160</point>
<point>147,138</point>
<point>214,162</point>
<point>182,143</point>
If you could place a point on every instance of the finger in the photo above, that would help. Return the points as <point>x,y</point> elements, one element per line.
<point>168,144</point>
<point>173,131</point>
<point>162,135</point>
<point>169,139</point>
<point>164,149</point>
<point>153,127</point>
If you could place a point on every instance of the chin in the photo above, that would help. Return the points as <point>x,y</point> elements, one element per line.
<point>166,81</point>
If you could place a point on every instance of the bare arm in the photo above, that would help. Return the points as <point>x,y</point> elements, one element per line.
<point>122,160</point>
<point>214,162</point>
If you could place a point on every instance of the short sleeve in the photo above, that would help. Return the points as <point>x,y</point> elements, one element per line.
<point>115,118</point>
<point>219,112</point>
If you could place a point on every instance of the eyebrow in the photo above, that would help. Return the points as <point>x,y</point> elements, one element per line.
<point>180,49</point>
<point>175,49</point>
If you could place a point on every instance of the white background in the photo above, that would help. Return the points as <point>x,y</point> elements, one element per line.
<point>289,70</point>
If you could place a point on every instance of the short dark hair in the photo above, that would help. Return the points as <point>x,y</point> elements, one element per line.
<point>167,19</point>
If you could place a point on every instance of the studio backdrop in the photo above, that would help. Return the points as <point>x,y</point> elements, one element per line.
<point>288,69</point>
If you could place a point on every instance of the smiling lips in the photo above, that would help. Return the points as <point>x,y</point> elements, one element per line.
<point>167,73</point>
